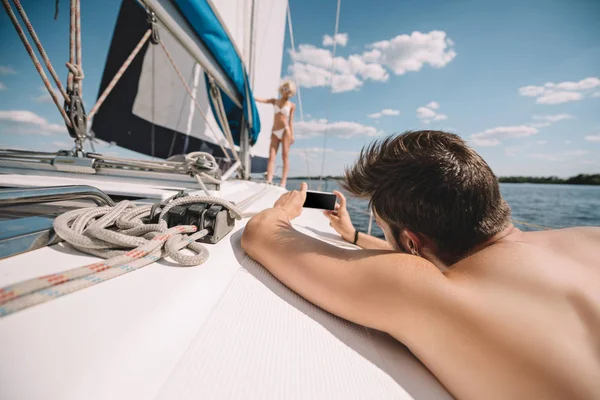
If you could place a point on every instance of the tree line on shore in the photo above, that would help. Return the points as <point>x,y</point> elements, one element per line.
<point>581,179</point>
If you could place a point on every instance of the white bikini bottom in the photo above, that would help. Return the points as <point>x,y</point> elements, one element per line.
<point>279,133</point>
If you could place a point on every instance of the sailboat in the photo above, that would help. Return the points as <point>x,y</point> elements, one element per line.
<point>223,328</point>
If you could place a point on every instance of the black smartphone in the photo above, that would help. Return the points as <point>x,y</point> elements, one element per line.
<point>322,200</point>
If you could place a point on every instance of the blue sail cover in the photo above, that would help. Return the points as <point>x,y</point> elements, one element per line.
<point>205,23</point>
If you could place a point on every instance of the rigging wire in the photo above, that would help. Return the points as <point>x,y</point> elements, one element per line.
<point>119,74</point>
<point>328,109</point>
<point>187,88</point>
<point>292,42</point>
<point>32,55</point>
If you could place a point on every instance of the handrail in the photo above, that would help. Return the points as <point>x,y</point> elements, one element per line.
<point>15,196</point>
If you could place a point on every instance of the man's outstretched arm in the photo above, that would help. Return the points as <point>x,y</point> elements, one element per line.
<point>374,288</point>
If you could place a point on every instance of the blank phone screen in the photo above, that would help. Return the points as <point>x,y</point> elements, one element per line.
<point>324,201</point>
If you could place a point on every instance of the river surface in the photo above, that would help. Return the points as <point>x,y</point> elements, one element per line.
<point>554,206</point>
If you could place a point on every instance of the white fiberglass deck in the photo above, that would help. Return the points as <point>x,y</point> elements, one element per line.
<point>224,329</point>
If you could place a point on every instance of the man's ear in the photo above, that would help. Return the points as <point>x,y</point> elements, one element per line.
<point>411,242</point>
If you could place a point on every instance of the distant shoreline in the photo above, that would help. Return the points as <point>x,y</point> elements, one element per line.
<point>581,179</point>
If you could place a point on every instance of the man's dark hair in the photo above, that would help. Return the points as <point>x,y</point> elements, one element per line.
<point>432,183</point>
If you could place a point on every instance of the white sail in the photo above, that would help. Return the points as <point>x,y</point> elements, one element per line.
<point>257,28</point>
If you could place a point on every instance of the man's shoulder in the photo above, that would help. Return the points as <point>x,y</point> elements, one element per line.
<point>537,249</point>
<point>496,256</point>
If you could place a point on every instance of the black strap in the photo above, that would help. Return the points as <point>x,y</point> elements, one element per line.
<point>355,236</point>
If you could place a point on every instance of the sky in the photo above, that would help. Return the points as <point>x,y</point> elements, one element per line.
<point>519,80</point>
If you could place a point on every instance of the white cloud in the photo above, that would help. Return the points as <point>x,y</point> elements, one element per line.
<point>314,153</point>
<point>553,117</point>
<point>22,121</point>
<point>424,112</point>
<point>405,53</point>
<point>44,96</point>
<point>427,113</point>
<point>587,83</point>
<point>561,156</point>
<point>309,54</point>
<point>494,136</point>
<point>356,65</point>
<point>434,105</point>
<point>312,68</point>
<point>2,86</point>
<point>542,142</point>
<point>568,142</point>
<point>387,111</point>
<point>372,56</point>
<point>6,70</point>
<point>558,97</point>
<point>341,129</point>
<point>310,150</point>
<point>540,124</point>
<point>563,92</point>
<point>345,83</point>
<point>341,39</point>
<point>593,138</point>
<point>531,91</point>
<point>596,94</point>
<point>312,65</point>
<point>309,76</point>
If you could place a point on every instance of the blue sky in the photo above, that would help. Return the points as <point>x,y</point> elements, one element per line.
<point>519,80</point>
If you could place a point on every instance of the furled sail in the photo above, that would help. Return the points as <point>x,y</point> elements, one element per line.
<point>150,110</point>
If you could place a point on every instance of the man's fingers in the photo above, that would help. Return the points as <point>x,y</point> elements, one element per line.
<point>341,198</point>
<point>331,215</point>
<point>303,188</point>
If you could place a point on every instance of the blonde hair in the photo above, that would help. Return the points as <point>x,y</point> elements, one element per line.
<point>292,86</point>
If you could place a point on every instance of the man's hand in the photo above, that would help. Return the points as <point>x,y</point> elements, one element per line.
<point>340,218</point>
<point>292,202</point>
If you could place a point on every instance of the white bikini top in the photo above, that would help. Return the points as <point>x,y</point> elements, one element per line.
<point>285,110</point>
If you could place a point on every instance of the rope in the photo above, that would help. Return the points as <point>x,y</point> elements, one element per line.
<point>78,77</point>
<point>119,235</point>
<point>119,74</point>
<point>32,55</point>
<point>193,158</point>
<point>194,99</point>
<point>337,24</point>
<point>190,165</point>
<point>74,65</point>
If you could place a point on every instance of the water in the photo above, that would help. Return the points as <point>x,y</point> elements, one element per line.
<point>555,206</point>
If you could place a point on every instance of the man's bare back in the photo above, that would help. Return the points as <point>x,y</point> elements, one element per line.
<point>525,321</point>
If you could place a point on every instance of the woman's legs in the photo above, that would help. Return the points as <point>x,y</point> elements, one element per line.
<point>272,154</point>
<point>285,151</point>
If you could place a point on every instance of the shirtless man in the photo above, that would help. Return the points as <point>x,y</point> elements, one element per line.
<point>493,312</point>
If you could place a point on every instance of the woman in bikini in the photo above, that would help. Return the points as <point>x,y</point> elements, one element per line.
<point>283,130</point>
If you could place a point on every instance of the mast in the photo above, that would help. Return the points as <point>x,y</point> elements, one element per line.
<point>244,139</point>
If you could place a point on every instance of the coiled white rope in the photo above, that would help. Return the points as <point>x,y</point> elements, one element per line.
<point>119,235</point>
